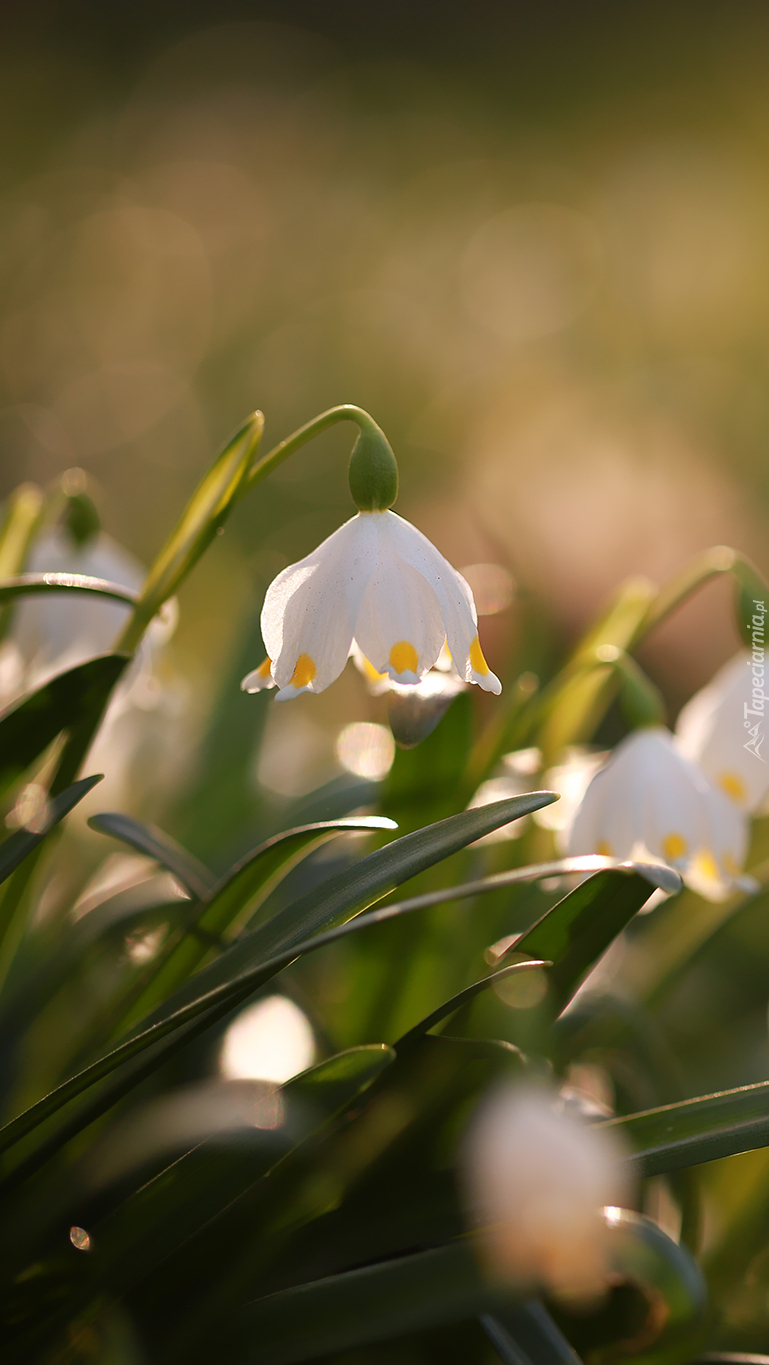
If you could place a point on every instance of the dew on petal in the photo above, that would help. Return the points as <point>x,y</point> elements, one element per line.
<point>365,749</point>
<point>80,1239</point>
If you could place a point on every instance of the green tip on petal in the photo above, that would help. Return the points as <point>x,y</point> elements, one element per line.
<point>373,472</point>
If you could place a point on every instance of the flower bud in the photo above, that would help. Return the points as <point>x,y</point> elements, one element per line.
<point>539,1179</point>
<point>373,472</point>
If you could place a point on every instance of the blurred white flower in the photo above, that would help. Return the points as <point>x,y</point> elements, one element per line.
<point>378,583</point>
<point>539,1179</point>
<point>712,731</point>
<point>571,780</point>
<point>652,803</point>
<point>63,629</point>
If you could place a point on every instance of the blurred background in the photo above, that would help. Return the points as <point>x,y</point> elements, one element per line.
<point>532,240</point>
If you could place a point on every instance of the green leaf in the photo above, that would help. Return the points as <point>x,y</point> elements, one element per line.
<point>702,1129</point>
<point>576,931</point>
<point>65,702</point>
<point>331,1084</point>
<point>20,844</point>
<point>33,583</point>
<point>157,1219</point>
<point>425,783</point>
<point>354,889</point>
<point>201,520</point>
<point>216,1001</point>
<point>347,1311</point>
<point>462,998</point>
<point>153,842</point>
<point>241,890</point>
<point>524,1333</point>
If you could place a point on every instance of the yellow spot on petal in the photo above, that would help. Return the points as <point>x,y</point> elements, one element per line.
<point>603,849</point>
<point>733,785</point>
<point>304,672</point>
<point>477,661</point>
<point>369,671</point>
<point>705,866</point>
<point>264,668</point>
<point>674,846</point>
<point>404,658</point>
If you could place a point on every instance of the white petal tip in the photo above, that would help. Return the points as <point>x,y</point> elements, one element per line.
<point>288,693</point>
<point>405,679</point>
<point>256,681</point>
<point>488,681</point>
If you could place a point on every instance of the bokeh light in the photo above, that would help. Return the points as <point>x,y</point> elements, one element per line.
<point>271,1041</point>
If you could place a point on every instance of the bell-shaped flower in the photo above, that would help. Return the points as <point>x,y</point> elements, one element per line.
<point>722,730</point>
<point>376,584</point>
<point>539,1180</point>
<point>652,803</point>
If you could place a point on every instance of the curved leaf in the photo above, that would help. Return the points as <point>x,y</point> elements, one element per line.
<point>18,845</point>
<point>377,1302</point>
<point>27,584</point>
<point>155,843</point>
<point>579,929</point>
<point>462,998</point>
<point>701,1129</point>
<point>29,725</point>
<point>241,890</point>
<point>206,1007</point>
<point>354,889</point>
<point>203,517</point>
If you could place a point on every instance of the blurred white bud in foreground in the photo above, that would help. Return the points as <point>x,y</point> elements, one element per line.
<point>269,1041</point>
<point>651,803</point>
<point>539,1180</point>
<point>714,731</point>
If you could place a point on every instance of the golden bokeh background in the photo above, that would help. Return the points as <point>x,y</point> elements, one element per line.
<point>534,246</point>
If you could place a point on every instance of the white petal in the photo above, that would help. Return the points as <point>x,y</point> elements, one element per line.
<point>454,595</point>
<point>712,731</point>
<point>259,678</point>
<point>309,611</point>
<point>399,626</point>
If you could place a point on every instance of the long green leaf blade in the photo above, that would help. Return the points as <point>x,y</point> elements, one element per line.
<point>702,1129</point>
<point>358,1307</point>
<point>30,724</point>
<point>18,845</point>
<point>31,584</point>
<point>576,931</point>
<point>343,896</point>
<point>155,843</point>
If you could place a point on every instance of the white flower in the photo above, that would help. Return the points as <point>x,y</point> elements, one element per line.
<point>712,730</point>
<point>540,1179</point>
<point>377,583</point>
<point>64,630</point>
<point>53,632</point>
<point>649,801</point>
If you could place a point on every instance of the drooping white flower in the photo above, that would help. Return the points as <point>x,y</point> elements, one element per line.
<point>376,583</point>
<point>539,1179</point>
<point>714,731</point>
<point>650,802</point>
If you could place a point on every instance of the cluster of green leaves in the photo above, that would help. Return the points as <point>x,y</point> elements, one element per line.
<point>328,1217</point>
